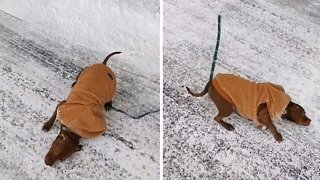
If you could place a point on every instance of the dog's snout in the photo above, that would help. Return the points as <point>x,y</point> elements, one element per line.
<point>49,160</point>
<point>307,121</point>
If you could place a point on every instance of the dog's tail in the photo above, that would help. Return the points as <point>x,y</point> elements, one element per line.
<point>202,93</point>
<point>106,59</point>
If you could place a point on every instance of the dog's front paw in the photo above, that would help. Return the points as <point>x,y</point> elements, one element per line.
<point>108,106</point>
<point>228,126</point>
<point>46,127</point>
<point>278,137</point>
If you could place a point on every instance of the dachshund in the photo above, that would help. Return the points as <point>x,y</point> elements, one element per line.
<point>262,103</point>
<point>82,114</point>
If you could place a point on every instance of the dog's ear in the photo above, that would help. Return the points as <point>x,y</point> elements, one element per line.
<point>78,148</point>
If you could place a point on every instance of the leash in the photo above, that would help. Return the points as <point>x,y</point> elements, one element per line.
<point>215,56</point>
<point>133,117</point>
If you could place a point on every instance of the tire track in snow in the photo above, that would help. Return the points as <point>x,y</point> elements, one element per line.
<point>137,94</point>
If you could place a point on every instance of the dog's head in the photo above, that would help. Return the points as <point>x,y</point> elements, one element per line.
<point>65,144</point>
<point>295,113</point>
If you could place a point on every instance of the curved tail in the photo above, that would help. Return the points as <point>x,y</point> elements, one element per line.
<point>107,58</point>
<point>202,93</point>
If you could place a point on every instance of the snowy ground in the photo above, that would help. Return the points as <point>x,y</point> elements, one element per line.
<point>43,50</point>
<point>261,40</point>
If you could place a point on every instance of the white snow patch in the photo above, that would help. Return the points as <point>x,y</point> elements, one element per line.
<point>105,26</point>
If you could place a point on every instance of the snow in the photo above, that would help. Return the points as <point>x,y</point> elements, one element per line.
<point>100,25</point>
<point>263,40</point>
<point>43,46</point>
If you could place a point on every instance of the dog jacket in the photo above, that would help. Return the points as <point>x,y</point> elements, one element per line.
<point>246,96</point>
<point>83,111</point>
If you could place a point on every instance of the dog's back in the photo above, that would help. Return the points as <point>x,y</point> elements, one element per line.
<point>97,82</point>
<point>83,111</point>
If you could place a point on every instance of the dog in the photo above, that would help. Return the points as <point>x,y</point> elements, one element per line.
<point>262,103</point>
<point>82,114</point>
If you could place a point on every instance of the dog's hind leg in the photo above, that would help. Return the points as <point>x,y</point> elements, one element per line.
<point>224,107</point>
<point>47,126</point>
<point>264,118</point>
<point>219,119</point>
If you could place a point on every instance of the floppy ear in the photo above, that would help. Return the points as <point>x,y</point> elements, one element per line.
<point>78,148</point>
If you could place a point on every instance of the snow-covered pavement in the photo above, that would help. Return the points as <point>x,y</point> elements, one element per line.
<point>261,40</point>
<point>38,62</point>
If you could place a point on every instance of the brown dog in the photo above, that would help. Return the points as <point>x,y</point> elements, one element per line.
<point>81,115</point>
<point>261,102</point>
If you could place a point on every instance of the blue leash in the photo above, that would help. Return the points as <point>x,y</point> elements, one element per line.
<point>215,56</point>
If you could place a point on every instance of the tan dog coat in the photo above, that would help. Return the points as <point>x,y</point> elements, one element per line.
<point>246,96</point>
<point>83,112</point>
